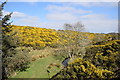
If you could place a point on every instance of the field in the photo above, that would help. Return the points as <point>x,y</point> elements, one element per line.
<point>39,67</point>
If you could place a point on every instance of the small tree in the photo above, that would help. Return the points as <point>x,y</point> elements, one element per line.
<point>12,60</point>
<point>77,47</point>
<point>5,42</point>
<point>76,27</point>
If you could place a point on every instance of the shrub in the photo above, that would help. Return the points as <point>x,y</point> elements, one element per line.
<point>105,56</point>
<point>39,38</point>
<point>80,69</point>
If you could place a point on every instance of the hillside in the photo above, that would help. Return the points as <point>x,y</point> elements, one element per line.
<point>41,37</point>
<point>48,48</point>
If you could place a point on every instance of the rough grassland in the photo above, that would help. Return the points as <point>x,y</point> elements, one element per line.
<point>38,68</point>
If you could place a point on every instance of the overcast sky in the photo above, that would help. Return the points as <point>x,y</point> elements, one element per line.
<point>98,17</point>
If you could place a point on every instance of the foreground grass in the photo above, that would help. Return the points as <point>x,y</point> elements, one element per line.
<point>38,68</point>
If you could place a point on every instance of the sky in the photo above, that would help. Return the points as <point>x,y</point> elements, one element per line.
<point>97,17</point>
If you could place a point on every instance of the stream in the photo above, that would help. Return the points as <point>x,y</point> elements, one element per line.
<point>65,62</point>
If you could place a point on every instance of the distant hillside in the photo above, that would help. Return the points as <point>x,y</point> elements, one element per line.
<point>41,37</point>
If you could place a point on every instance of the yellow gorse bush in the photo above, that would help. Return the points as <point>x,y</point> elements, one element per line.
<point>34,37</point>
<point>81,69</point>
<point>42,37</point>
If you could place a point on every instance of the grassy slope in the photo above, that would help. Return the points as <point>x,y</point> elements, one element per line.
<point>38,68</point>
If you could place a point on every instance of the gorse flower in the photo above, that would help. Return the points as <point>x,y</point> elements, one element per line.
<point>42,37</point>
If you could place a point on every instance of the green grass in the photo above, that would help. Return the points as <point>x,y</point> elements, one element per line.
<point>38,68</point>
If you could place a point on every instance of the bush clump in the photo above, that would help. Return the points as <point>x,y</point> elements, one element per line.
<point>80,69</point>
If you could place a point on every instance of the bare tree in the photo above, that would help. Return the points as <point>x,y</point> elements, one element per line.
<point>75,27</point>
<point>78,47</point>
